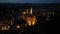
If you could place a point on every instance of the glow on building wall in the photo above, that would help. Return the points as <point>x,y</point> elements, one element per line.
<point>31,20</point>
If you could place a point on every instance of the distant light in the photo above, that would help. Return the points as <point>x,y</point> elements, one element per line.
<point>53,13</point>
<point>31,20</point>
<point>24,13</point>
<point>29,23</point>
<point>18,26</point>
<point>33,23</point>
<point>5,28</point>
<point>31,10</point>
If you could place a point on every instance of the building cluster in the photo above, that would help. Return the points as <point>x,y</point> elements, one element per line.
<point>28,15</point>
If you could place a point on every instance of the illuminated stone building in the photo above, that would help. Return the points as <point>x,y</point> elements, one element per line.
<point>29,17</point>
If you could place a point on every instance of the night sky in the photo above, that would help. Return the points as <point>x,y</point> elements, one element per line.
<point>29,1</point>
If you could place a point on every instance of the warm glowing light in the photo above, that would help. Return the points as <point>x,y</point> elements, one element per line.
<point>31,10</point>
<point>18,26</point>
<point>33,23</point>
<point>36,20</point>
<point>24,12</point>
<point>5,28</point>
<point>31,20</point>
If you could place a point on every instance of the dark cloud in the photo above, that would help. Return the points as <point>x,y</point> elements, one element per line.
<point>29,1</point>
